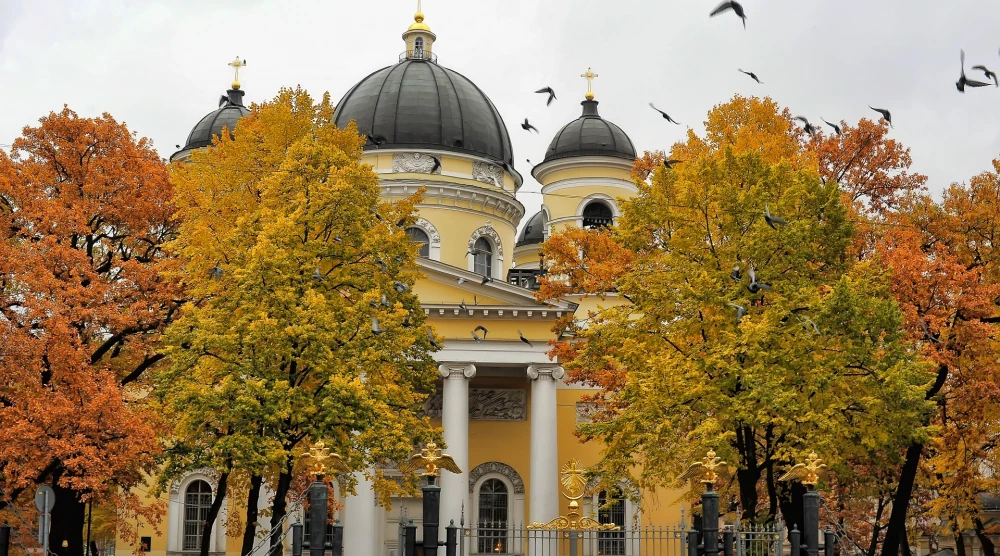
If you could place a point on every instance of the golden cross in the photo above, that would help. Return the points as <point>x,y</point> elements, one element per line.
<point>236,65</point>
<point>589,76</point>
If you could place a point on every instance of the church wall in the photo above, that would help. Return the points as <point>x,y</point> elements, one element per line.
<point>526,256</point>
<point>456,224</point>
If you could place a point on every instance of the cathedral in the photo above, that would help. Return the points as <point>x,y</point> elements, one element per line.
<point>507,413</point>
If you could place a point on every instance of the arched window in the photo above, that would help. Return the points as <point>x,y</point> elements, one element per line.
<point>611,511</point>
<point>420,237</point>
<point>482,254</point>
<point>197,501</point>
<point>418,48</point>
<point>492,517</point>
<point>597,215</point>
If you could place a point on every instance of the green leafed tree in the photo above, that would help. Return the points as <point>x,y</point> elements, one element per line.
<point>301,324</point>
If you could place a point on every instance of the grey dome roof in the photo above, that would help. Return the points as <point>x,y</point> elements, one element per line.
<point>590,135</point>
<point>230,112</point>
<point>533,231</point>
<point>417,103</point>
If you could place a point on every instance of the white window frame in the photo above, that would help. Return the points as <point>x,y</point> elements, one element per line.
<point>175,514</point>
<point>515,508</point>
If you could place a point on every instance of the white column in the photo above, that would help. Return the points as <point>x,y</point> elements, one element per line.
<point>543,498</point>
<point>455,420</point>
<point>359,520</point>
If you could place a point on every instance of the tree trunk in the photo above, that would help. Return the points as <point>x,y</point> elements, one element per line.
<point>250,532</point>
<point>69,516</point>
<point>959,544</point>
<point>748,474</point>
<point>280,507</point>
<point>790,501</point>
<point>873,545</point>
<point>906,544</point>
<point>213,512</point>
<point>896,527</point>
<point>984,539</point>
<point>772,494</point>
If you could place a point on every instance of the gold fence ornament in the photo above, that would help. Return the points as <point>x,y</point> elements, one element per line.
<point>807,473</point>
<point>705,469</point>
<point>431,458</point>
<point>574,481</point>
<point>321,455</point>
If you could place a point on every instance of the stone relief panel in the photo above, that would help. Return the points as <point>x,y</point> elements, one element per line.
<point>499,468</point>
<point>487,231</point>
<point>418,163</point>
<point>487,173</point>
<point>486,404</point>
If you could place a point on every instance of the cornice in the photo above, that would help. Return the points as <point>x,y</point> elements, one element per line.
<point>590,182</point>
<point>544,169</point>
<point>518,179</point>
<point>496,204</point>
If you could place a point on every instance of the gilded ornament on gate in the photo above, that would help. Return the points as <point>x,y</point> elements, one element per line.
<point>574,481</point>
<point>321,455</point>
<point>807,473</point>
<point>707,470</point>
<point>431,458</point>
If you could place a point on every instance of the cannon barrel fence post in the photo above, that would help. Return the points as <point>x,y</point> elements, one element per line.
<point>692,542</point>
<point>829,542</point>
<point>727,541</point>
<point>810,521</point>
<point>795,541</point>
<point>337,544</point>
<point>296,539</point>
<point>451,539</point>
<point>410,546</point>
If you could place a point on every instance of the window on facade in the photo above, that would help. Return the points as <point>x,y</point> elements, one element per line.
<point>197,501</point>
<point>482,254</point>
<point>418,47</point>
<point>611,511</point>
<point>492,517</point>
<point>419,236</point>
<point>597,215</point>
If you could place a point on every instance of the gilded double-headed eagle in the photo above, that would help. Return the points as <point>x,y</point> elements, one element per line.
<point>432,459</point>
<point>706,470</point>
<point>807,473</point>
<point>321,456</point>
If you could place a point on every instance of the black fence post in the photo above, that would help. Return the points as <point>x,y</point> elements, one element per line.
<point>829,542</point>
<point>451,539</point>
<point>318,512</point>
<point>296,540</point>
<point>338,539</point>
<point>710,521</point>
<point>432,516</point>
<point>410,546</point>
<point>692,542</point>
<point>810,521</point>
<point>728,538</point>
<point>4,539</point>
<point>795,541</point>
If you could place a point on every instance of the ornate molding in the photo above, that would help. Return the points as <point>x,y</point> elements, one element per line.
<point>432,231</point>
<point>417,163</point>
<point>487,173</point>
<point>457,370</point>
<point>211,474</point>
<point>627,488</point>
<point>486,404</point>
<point>499,468</point>
<point>487,231</point>
<point>584,410</point>
<point>550,372</point>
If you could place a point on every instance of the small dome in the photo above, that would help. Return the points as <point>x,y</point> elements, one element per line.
<point>590,135</point>
<point>229,112</point>
<point>533,231</point>
<point>419,104</point>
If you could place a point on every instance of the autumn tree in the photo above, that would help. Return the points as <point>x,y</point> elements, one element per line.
<point>84,213</point>
<point>301,326</point>
<point>760,340</point>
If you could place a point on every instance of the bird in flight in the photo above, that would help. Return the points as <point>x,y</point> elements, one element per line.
<point>772,220</point>
<point>665,115</point>
<point>963,81</point>
<point>731,5</point>
<point>810,129</point>
<point>736,275</point>
<point>552,94</point>
<point>376,140</point>
<point>754,285</point>
<point>989,74</point>
<point>834,126</point>
<point>463,306</point>
<point>523,339</point>
<point>216,272</point>
<point>375,328</point>
<point>741,311</point>
<point>753,76</point>
<point>528,127</point>
<point>669,163</point>
<point>482,329</point>
<point>885,114</point>
<point>437,164</point>
<point>430,337</point>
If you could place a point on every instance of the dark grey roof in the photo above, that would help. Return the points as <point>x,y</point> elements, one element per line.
<point>417,103</point>
<point>533,231</point>
<point>226,115</point>
<point>590,135</point>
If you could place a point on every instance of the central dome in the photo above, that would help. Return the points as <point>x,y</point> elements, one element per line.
<point>419,104</point>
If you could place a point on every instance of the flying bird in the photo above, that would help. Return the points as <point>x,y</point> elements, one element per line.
<point>885,114</point>
<point>772,220</point>
<point>732,5</point>
<point>463,306</point>
<point>430,337</point>
<point>437,164</point>
<point>476,337</point>
<point>485,280</point>
<point>399,286</point>
<point>216,272</point>
<point>528,127</point>
<point>376,140</point>
<point>810,129</point>
<point>741,311</point>
<point>670,163</point>
<point>482,329</point>
<point>317,275</point>
<point>753,76</point>
<point>989,74</point>
<point>736,275</point>
<point>754,286</point>
<point>807,323</point>
<point>552,94</point>
<point>964,81</point>
<point>834,126</point>
<point>223,99</point>
<point>664,114</point>
<point>523,339</point>
<point>375,329</point>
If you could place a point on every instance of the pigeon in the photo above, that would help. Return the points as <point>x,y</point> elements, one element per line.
<point>381,265</point>
<point>485,280</point>
<point>317,275</point>
<point>483,329</point>
<point>375,329</point>
<point>523,339</point>
<point>752,75</point>
<point>741,311</point>
<point>664,114</point>
<point>476,337</point>
<point>216,272</point>
<point>223,99</point>
<point>463,306</point>
<point>552,94</point>
<point>376,140</point>
<point>736,275</point>
<point>754,285</point>
<point>430,337</point>
<point>338,239</point>
<point>528,127</point>
<point>385,302</point>
<point>731,5</point>
<point>885,114</point>
<point>437,165</point>
<point>807,323</point>
<point>810,129</point>
<point>670,163</point>
<point>989,74</point>
<point>461,280</point>
<point>399,286</point>
<point>772,220</point>
<point>834,126</point>
<point>964,81</point>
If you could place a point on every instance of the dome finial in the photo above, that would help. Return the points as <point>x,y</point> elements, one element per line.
<point>419,16</point>
<point>589,76</point>
<point>236,65</point>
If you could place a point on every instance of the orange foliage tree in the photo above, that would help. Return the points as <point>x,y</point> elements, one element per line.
<point>84,211</point>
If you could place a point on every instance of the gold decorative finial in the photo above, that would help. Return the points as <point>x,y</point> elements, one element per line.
<point>807,473</point>
<point>419,16</point>
<point>236,65</point>
<point>431,458</point>
<point>320,454</point>
<point>705,469</point>
<point>589,76</point>
<point>573,479</point>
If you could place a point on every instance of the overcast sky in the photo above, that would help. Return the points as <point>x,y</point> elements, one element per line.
<point>161,65</point>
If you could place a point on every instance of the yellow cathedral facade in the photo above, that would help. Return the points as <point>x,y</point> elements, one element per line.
<point>508,415</point>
